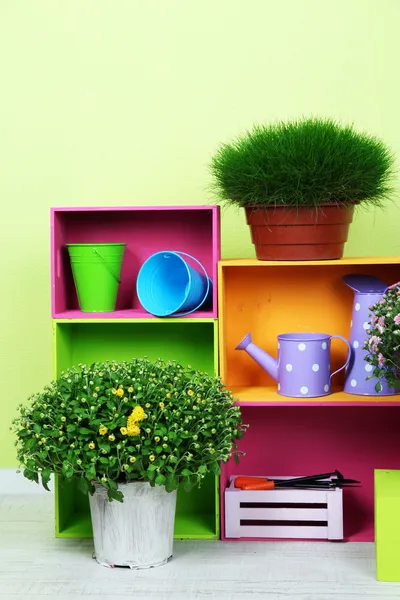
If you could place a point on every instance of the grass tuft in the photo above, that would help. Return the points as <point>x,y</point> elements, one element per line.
<point>306,162</point>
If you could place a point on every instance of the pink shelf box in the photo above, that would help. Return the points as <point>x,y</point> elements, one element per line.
<point>356,440</point>
<point>146,230</point>
<point>283,513</point>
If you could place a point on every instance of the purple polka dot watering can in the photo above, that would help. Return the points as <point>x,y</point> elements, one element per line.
<point>303,367</point>
<point>368,291</point>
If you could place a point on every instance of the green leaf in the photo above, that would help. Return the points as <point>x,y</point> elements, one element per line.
<point>151,475</point>
<point>185,473</point>
<point>160,479</point>
<point>104,446</point>
<point>171,483</point>
<point>202,469</point>
<point>85,431</point>
<point>67,470</point>
<point>29,444</point>
<point>378,387</point>
<point>83,485</point>
<point>236,458</point>
<point>115,495</point>
<point>112,484</point>
<point>46,473</point>
<point>159,449</point>
<point>188,485</point>
<point>216,469</point>
<point>37,428</point>
<point>103,460</point>
<point>71,428</point>
<point>151,468</point>
<point>23,433</point>
<point>31,475</point>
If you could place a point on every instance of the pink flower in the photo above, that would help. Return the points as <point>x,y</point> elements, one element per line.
<point>374,342</point>
<point>374,321</point>
<point>397,319</point>
<point>383,301</point>
<point>381,325</point>
<point>381,360</point>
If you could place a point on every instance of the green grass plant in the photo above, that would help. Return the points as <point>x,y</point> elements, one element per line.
<point>303,163</point>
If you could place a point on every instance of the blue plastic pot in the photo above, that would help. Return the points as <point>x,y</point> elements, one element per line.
<point>167,285</point>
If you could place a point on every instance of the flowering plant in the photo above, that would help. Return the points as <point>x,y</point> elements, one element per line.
<point>129,421</point>
<point>383,342</point>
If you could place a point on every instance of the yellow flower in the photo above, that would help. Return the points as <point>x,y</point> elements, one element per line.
<point>190,393</point>
<point>157,439</point>
<point>123,430</point>
<point>152,458</point>
<point>111,438</point>
<point>120,392</point>
<point>162,405</point>
<point>133,429</point>
<point>63,419</point>
<point>130,389</point>
<point>113,391</point>
<point>91,445</point>
<point>137,414</point>
<point>132,459</point>
<point>168,395</point>
<point>103,430</point>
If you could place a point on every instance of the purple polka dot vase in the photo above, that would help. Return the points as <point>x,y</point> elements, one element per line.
<point>367,291</point>
<point>302,369</point>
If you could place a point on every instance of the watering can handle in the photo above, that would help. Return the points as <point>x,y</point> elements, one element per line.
<point>207,290</point>
<point>339,337</point>
<point>107,265</point>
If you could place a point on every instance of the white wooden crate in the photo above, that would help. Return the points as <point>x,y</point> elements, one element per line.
<point>283,513</point>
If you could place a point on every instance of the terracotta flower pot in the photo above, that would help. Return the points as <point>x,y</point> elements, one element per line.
<point>286,233</point>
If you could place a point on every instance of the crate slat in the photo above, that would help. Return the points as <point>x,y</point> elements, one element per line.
<point>284,514</point>
<point>320,533</point>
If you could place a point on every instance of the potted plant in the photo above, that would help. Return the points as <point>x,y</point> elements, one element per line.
<point>299,183</point>
<point>130,433</point>
<point>383,341</point>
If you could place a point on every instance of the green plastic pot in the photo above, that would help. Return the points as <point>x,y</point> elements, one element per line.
<point>96,269</point>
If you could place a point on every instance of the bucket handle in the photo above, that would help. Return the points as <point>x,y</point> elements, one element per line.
<point>117,279</point>
<point>206,292</point>
<point>346,364</point>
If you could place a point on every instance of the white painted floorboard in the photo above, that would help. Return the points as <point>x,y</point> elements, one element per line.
<point>33,564</point>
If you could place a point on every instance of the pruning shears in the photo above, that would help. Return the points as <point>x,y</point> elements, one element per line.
<point>323,481</point>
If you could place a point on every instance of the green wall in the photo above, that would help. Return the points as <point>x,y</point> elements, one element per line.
<point>123,102</point>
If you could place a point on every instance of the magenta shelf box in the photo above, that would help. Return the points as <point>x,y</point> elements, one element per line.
<point>146,230</point>
<point>318,439</point>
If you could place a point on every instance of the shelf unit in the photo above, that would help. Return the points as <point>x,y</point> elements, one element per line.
<point>131,332</point>
<point>289,436</point>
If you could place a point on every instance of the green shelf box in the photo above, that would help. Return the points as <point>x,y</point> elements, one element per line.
<point>189,341</point>
<point>387,524</point>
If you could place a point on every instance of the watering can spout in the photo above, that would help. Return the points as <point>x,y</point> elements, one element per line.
<point>266,362</point>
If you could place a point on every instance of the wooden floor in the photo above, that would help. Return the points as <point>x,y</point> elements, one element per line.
<point>33,564</point>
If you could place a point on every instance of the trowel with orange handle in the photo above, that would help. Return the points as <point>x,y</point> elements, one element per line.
<point>322,481</point>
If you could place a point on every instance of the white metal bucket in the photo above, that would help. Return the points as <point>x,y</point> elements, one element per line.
<point>137,533</point>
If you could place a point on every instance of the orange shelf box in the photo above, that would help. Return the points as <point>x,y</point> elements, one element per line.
<point>270,298</point>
